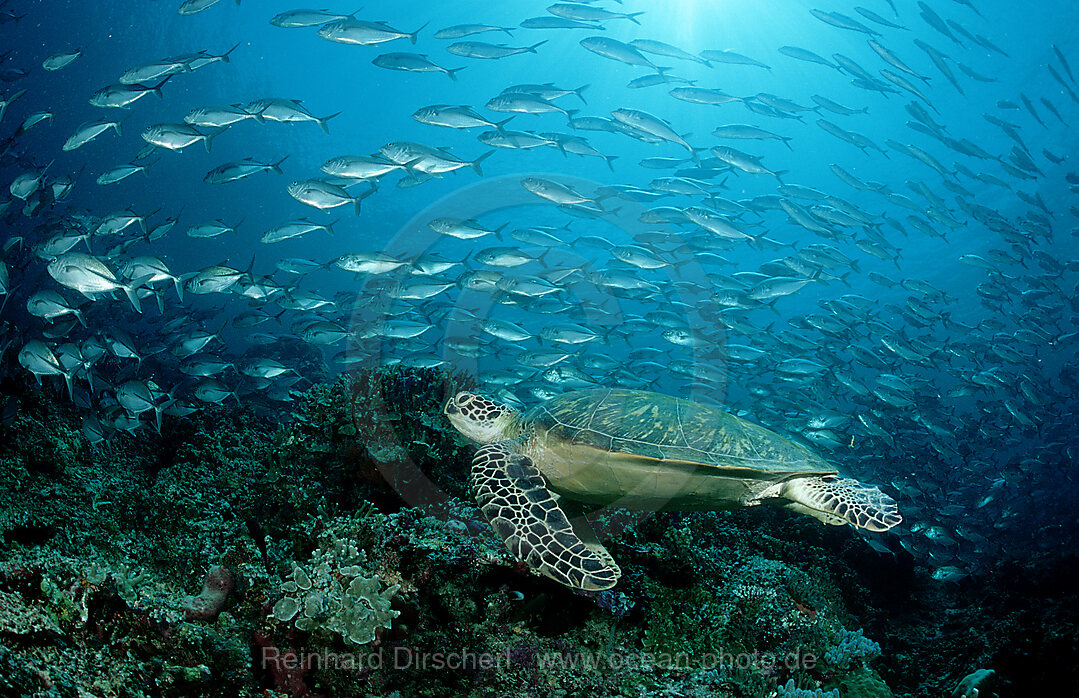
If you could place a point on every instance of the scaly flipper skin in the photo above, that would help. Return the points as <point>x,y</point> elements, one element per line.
<point>524,514</point>
<point>839,500</point>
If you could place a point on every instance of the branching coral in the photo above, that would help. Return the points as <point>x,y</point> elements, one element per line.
<point>788,690</point>
<point>853,649</point>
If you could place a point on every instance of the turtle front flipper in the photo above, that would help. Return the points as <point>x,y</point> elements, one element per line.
<point>513,496</point>
<point>837,500</point>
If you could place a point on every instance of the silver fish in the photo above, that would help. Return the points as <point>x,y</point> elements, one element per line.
<point>305,18</point>
<point>480,49</point>
<point>652,125</point>
<point>177,136</point>
<point>459,31</point>
<point>89,131</point>
<point>190,7</point>
<point>233,171</point>
<point>219,117</point>
<point>617,51</point>
<point>463,117</point>
<point>349,30</point>
<point>122,96</point>
<point>361,167</point>
<point>287,111</point>
<point>294,229</point>
<point>89,275</point>
<point>413,63</point>
<point>324,195</point>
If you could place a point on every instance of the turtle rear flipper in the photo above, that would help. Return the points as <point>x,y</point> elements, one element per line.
<point>524,514</point>
<point>837,500</point>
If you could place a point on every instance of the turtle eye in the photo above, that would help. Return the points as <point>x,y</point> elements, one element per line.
<point>463,398</point>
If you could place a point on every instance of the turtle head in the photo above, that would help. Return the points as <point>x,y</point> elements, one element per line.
<point>482,420</point>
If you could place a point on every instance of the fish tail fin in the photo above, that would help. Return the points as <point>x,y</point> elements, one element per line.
<point>178,284</point>
<point>580,96</point>
<point>476,163</point>
<point>453,73</point>
<point>533,47</point>
<point>323,121</point>
<point>500,125</point>
<point>276,167</point>
<point>158,409</point>
<point>156,89</point>
<point>250,266</point>
<point>632,16</point>
<point>570,113</point>
<point>359,198</point>
<point>610,161</point>
<point>208,140</point>
<point>779,175</point>
<point>329,226</point>
<point>132,293</point>
<point>413,35</point>
<point>787,142</point>
<point>225,55</point>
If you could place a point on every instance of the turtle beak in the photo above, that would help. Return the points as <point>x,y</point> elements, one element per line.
<point>451,407</point>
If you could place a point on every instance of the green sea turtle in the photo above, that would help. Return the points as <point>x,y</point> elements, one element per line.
<point>637,450</point>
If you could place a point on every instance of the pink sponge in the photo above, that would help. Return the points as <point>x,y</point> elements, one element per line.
<point>216,588</point>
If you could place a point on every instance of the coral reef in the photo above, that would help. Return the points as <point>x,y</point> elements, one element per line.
<point>852,649</point>
<point>787,690</point>
<point>339,554</point>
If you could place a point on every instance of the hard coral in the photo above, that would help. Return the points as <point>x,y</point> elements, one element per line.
<point>216,588</point>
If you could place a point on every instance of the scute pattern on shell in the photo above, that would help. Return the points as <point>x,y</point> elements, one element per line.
<point>665,428</point>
